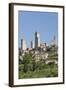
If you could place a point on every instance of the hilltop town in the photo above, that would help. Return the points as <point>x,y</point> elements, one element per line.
<point>35,58</point>
<point>38,49</point>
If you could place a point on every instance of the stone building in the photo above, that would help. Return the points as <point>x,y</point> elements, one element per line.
<point>37,40</point>
<point>23,44</point>
<point>32,44</point>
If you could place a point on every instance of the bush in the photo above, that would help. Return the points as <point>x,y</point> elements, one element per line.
<point>21,67</point>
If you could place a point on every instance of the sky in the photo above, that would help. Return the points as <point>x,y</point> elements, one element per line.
<point>29,22</point>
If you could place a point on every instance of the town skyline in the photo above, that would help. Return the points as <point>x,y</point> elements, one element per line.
<point>36,42</point>
<point>31,22</point>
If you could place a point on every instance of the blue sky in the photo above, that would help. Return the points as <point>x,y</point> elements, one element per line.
<point>46,23</point>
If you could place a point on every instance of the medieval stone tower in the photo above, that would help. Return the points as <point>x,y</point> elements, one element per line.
<point>37,40</point>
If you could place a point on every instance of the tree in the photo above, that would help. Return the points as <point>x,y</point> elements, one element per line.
<point>27,59</point>
<point>34,65</point>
